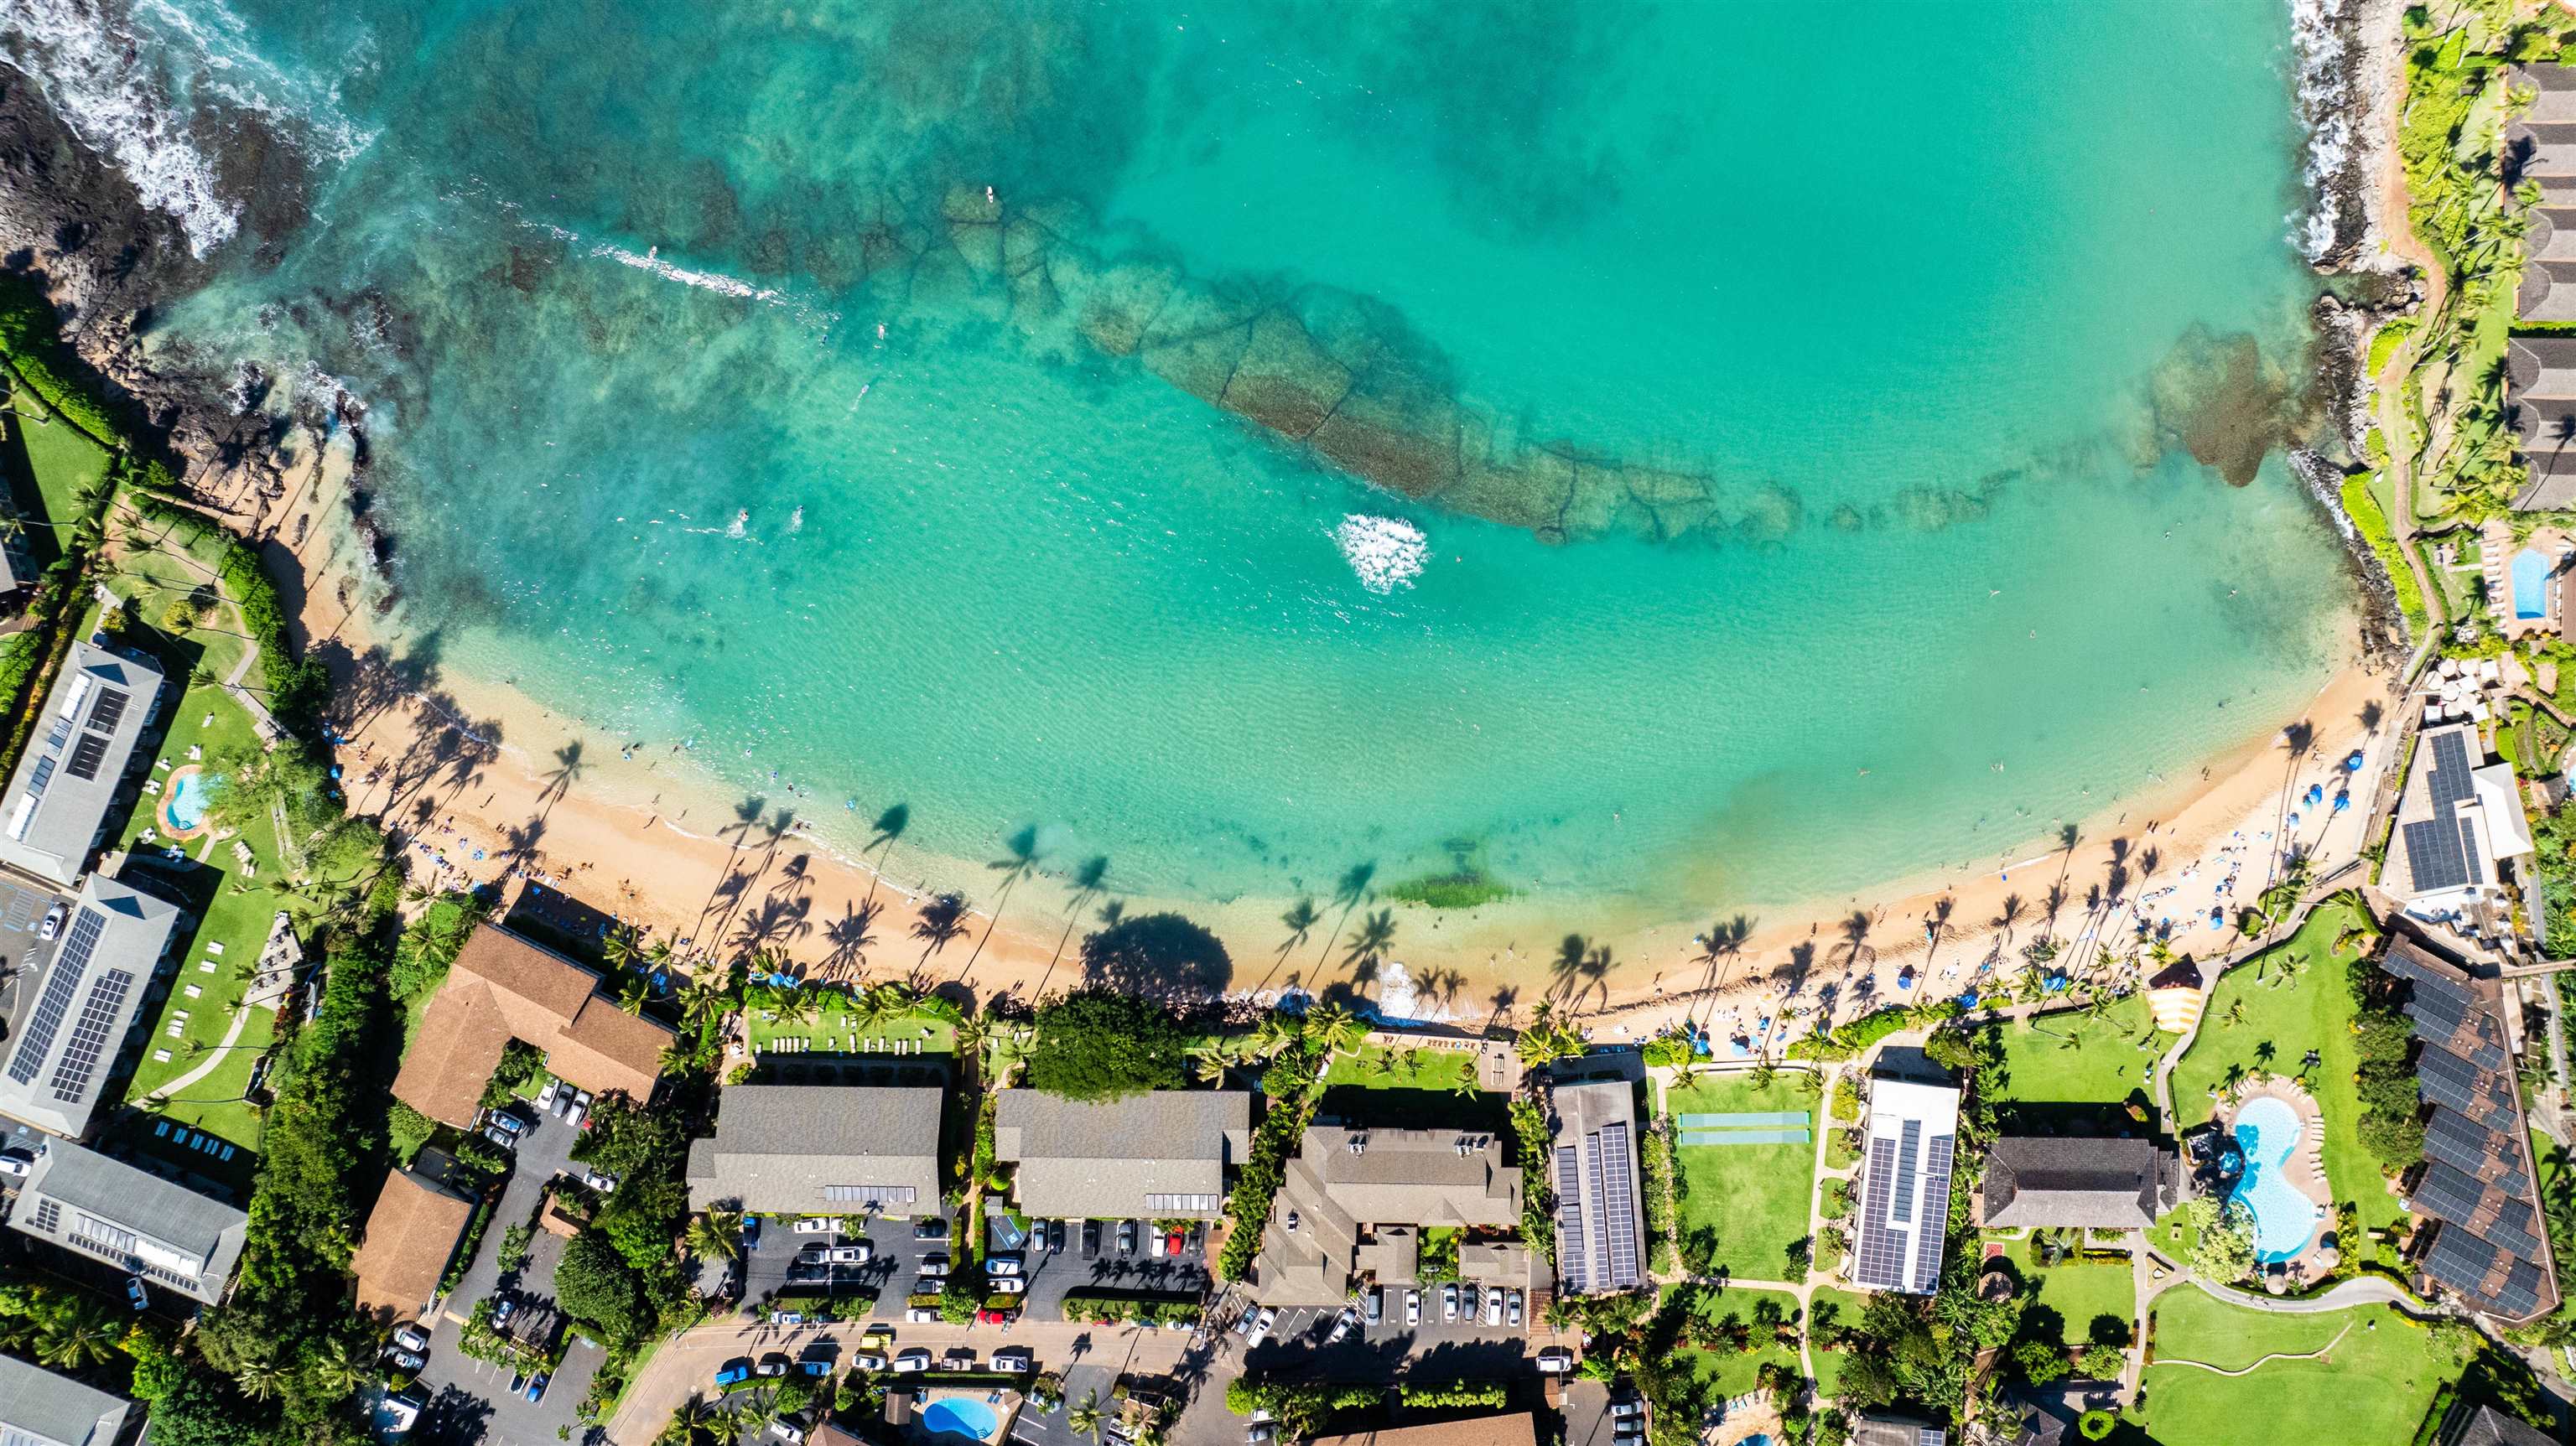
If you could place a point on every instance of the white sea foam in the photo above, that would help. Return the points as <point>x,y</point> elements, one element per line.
<point>121,81</point>
<point>2328,102</point>
<point>1385,552</point>
<point>715,281</point>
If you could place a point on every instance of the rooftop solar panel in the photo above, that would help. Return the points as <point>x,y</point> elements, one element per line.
<point>1936,1210</point>
<point>107,711</point>
<point>1618,1199</point>
<point>2451,781</point>
<point>2469,851</point>
<point>91,1035</point>
<point>1880,1261</point>
<point>1909,1154</point>
<point>1573,1261</point>
<point>2446,1079</point>
<point>2460,1260</point>
<point>2433,855</point>
<point>87,755</point>
<point>44,1023</point>
<point>2437,1014</point>
<point>2447,1194</point>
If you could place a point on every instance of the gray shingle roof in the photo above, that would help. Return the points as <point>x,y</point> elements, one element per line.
<point>173,1237</point>
<point>57,1410</point>
<point>2101,1184</point>
<point>76,1011</point>
<point>1153,1155</point>
<point>2487,1426</point>
<point>58,799</point>
<point>791,1149</point>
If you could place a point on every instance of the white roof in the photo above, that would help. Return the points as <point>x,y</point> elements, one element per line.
<point>2508,832</point>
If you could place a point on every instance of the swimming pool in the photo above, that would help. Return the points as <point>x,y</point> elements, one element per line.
<point>183,805</point>
<point>2268,1131</point>
<point>2531,583</point>
<point>960,1416</point>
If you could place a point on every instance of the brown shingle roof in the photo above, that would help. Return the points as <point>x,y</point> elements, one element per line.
<point>503,987</point>
<point>1512,1430</point>
<point>410,1235</point>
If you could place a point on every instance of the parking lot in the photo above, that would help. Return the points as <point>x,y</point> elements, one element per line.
<point>1299,1342</point>
<point>470,1401</point>
<point>894,1261</point>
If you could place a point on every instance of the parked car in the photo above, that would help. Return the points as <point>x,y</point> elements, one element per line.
<point>1413,1307</point>
<point>1626,1408</point>
<point>1002,1265</point>
<point>819,1225</point>
<point>537,1386</point>
<point>1007,1285</point>
<point>1090,1239</point>
<point>411,1337</point>
<point>1015,1358</point>
<point>1292,1222</point>
<point>1512,1309</point>
<point>578,1116</point>
<point>1449,1302</point>
<point>1376,1306</point>
<point>1055,1235</point>
<point>788,1317</point>
<point>990,1316</point>
<point>563,1100</point>
<point>518,1381</point>
<point>16,1162</point>
<point>858,1254</point>
<point>1493,1305</point>
<point>773,1364</point>
<point>920,1314</point>
<point>750,1232</point>
<point>813,1253</point>
<point>913,1360</point>
<point>405,1361</point>
<point>930,1227</point>
<point>553,1091</point>
<point>1261,1326</point>
<point>135,1295</point>
<point>53,921</point>
<point>1342,1325</point>
<point>789,1430</point>
<point>503,1307</point>
<point>1630,1429</point>
<point>599,1180</point>
<point>1172,1246</point>
<point>1126,1237</point>
<point>815,1362</point>
<point>867,1361</point>
<point>501,1137</point>
<point>1261,1433</point>
<point>1555,1361</point>
<point>935,1263</point>
<point>506,1121</point>
<point>1156,1249</point>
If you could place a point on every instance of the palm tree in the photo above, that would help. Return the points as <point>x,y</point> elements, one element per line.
<point>620,946</point>
<point>941,922</point>
<point>704,1000</point>
<point>260,1380</point>
<point>78,1334</point>
<point>1329,1027</point>
<point>1209,1062</point>
<point>1273,1034</point>
<point>630,996</point>
<point>972,1033</point>
<point>341,1364</point>
<point>716,1235</point>
<point>1085,1419</point>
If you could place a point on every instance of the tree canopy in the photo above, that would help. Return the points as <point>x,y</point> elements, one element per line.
<point>1097,1044</point>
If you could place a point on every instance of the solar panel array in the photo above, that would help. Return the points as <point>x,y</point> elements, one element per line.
<point>1909,1152</point>
<point>1880,1261</point>
<point>1936,1194</point>
<point>2446,1079</point>
<point>2447,1193</point>
<point>1574,1264</point>
<point>2439,852</point>
<point>91,1035</point>
<point>107,711</point>
<point>1618,1206</point>
<point>38,1037</point>
<point>87,755</point>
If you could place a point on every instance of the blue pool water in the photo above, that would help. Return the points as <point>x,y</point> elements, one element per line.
<point>2530,583</point>
<point>2268,1130</point>
<point>963,1416</point>
<point>187,801</point>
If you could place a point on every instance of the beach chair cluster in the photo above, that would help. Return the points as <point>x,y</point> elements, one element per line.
<point>188,1139</point>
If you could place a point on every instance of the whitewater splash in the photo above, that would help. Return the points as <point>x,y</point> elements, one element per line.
<point>1385,552</point>
<point>92,67</point>
<point>2321,39</point>
<point>715,281</point>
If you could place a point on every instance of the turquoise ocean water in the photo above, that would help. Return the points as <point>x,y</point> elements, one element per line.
<point>713,396</point>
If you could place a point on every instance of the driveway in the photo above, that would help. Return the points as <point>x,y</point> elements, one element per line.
<point>1462,1349</point>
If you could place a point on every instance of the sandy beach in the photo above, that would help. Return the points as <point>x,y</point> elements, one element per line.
<point>481,784</point>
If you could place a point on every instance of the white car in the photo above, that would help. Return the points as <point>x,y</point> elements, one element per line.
<point>1555,1361</point>
<point>599,1180</point>
<point>916,1359</point>
<point>1261,1326</point>
<point>920,1315</point>
<point>411,1337</point>
<point>1016,1359</point>
<point>1413,1307</point>
<point>1449,1302</point>
<point>1007,1285</point>
<point>1512,1309</point>
<point>1342,1325</point>
<point>1494,1306</point>
<point>1158,1242</point>
<point>818,1225</point>
<point>867,1361</point>
<point>858,1254</point>
<point>16,1162</point>
<point>546,1096</point>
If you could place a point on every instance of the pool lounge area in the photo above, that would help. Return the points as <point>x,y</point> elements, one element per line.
<point>2526,579</point>
<point>2274,1165</point>
<point>954,1415</point>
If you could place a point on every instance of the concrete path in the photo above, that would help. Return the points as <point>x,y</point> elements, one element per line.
<point>2360,1290</point>
<point>2259,1364</point>
<point>214,1057</point>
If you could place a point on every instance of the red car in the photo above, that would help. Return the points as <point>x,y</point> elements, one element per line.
<point>994,1317</point>
<point>1173,1246</point>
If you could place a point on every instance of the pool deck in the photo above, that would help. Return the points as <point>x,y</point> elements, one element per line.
<point>2305,1171</point>
<point>1002,1401</point>
<point>187,773</point>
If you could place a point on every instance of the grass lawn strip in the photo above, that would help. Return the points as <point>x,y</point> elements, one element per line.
<point>2311,1009</point>
<point>1718,1375</point>
<point>2373,1386</point>
<point>1847,1312</point>
<point>2109,1060</point>
<point>1748,1202</point>
<point>2078,1290</point>
<point>64,461</point>
<point>1376,1067</point>
<point>835,1029</point>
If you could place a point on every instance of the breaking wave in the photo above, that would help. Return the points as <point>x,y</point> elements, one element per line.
<point>2328,99</point>
<point>77,55</point>
<point>1385,553</point>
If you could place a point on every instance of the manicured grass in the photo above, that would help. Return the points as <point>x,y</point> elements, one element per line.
<point>1716,1375</point>
<point>2373,1386</point>
<point>1847,1312</point>
<point>2277,1018</point>
<point>1375,1067</point>
<point>63,460</point>
<point>835,1029</point>
<point>1748,1202</point>
<point>2078,1290</point>
<point>2070,1057</point>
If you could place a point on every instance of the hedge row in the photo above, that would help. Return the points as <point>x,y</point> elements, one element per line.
<point>1262,1175</point>
<point>1858,1035</point>
<point>296,688</point>
<point>33,346</point>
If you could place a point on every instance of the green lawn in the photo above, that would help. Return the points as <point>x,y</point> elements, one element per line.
<point>63,460</point>
<point>835,1029</point>
<point>2263,1017</point>
<point>1716,1375</point>
<point>2069,1057</point>
<point>1376,1067</point>
<point>2079,1290</point>
<point>2373,1386</point>
<point>1847,1312</point>
<point>1747,1202</point>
